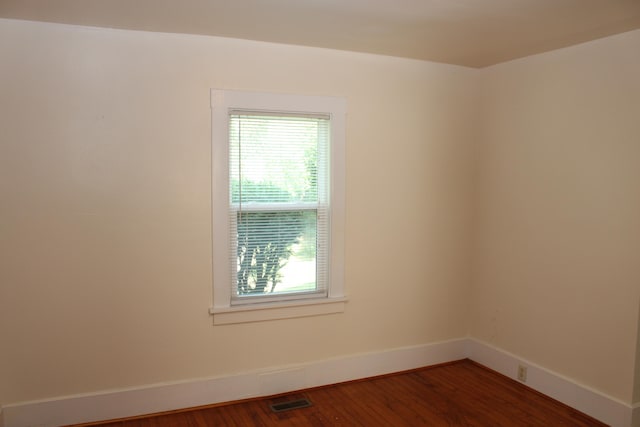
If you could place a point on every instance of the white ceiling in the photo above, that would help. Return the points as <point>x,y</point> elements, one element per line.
<point>474,33</point>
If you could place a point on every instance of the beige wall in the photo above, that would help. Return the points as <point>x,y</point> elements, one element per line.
<point>105,253</point>
<point>556,273</point>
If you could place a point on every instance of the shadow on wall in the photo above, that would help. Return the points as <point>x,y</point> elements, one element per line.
<point>636,383</point>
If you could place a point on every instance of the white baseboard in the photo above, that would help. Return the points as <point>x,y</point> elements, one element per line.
<point>165,397</point>
<point>591,402</point>
<point>169,396</point>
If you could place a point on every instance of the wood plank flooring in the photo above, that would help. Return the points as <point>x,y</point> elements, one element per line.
<point>457,394</point>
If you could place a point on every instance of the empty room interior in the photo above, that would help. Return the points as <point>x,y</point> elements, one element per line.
<point>491,200</point>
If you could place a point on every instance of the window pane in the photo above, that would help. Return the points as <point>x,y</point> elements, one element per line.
<point>276,252</point>
<point>276,175</point>
<point>274,159</point>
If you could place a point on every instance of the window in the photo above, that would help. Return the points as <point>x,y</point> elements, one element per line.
<point>278,205</point>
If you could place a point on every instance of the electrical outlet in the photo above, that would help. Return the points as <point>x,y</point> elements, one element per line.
<point>522,373</point>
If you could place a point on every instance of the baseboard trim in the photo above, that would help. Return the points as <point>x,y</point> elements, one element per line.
<point>591,402</point>
<point>170,396</point>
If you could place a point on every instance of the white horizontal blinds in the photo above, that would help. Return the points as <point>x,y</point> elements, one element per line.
<point>278,205</point>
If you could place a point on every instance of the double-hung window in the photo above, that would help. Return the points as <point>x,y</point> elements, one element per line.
<point>278,205</point>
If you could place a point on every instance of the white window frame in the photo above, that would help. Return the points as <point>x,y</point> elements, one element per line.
<point>222,102</point>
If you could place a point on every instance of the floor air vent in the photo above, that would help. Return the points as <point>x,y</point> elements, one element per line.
<point>291,404</point>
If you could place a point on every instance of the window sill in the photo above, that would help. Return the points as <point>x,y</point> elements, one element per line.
<point>277,310</point>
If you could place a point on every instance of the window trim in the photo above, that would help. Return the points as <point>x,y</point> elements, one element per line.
<point>223,101</point>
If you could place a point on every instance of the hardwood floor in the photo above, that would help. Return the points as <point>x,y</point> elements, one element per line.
<point>457,394</point>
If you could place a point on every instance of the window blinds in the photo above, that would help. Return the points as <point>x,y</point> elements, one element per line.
<point>278,198</point>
